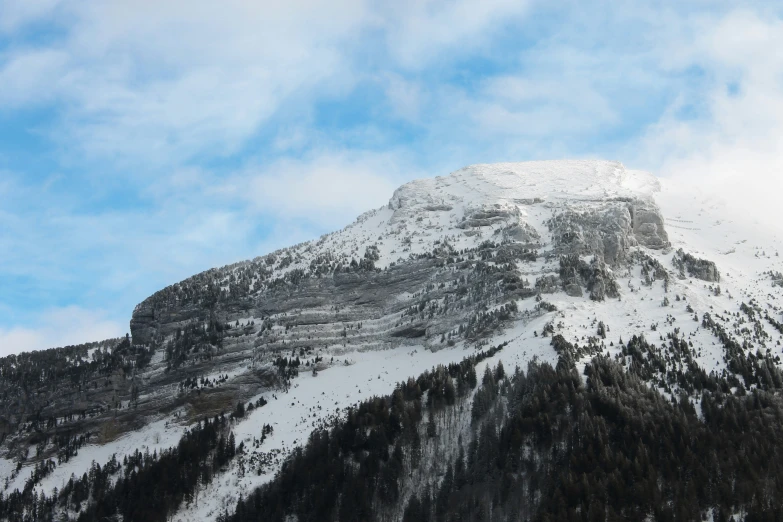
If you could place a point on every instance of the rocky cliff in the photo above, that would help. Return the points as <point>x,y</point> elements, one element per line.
<point>490,254</point>
<point>433,267</point>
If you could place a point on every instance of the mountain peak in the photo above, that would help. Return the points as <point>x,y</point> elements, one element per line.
<point>525,181</point>
<point>523,257</point>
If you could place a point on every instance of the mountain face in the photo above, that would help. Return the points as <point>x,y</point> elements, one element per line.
<point>626,304</point>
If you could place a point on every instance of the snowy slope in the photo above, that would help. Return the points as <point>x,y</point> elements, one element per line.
<point>425,211</point>
<point>700,227</point>
<point>515,203</point>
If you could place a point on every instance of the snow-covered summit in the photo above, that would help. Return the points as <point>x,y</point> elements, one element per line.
<point>499,183</point>
<point>503,201</point>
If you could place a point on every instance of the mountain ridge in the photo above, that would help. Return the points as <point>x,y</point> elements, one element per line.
<point>491,254</point>
<point>418,199</point>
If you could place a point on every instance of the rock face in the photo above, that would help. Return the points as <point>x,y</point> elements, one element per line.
<point>648,226</point>
<point>434,266</point>
<point>609,230</point>
<point>696,267</point>
<point>562,268</point>
<point>595,276</point>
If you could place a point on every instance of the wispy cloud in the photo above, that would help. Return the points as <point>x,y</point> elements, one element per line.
<point>14,15</point>
<point>59,327</point>
<point>163,81</point>
<point>330,188</point>
<point>734,146</point>
<point>141,142</point>
<point>419,33</point>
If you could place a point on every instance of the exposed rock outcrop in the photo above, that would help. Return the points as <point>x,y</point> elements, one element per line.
<point>448,260</point>
<point>648,226</point>
<point>696,267</point>
<point>595,276</point>
<point>608,230</point>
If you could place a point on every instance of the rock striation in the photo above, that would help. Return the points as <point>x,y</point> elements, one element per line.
<point>448,260</point>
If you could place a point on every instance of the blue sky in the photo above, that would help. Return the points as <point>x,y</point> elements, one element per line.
<point>142,142</point>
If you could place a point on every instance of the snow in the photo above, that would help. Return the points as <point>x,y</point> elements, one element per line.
<point>309,403</point>
<point>426,212</point>
<point>155,436</point>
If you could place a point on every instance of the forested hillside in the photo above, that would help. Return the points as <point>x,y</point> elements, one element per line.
<point>562,340</point>
<point>545,444</point>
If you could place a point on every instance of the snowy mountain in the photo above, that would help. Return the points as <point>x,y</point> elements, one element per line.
<point>582,265</point>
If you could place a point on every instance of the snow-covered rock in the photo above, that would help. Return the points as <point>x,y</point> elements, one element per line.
<point>510,252</point>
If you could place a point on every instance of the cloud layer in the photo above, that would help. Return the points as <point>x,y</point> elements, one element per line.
<point>735,149</point>
<point>144,141</point>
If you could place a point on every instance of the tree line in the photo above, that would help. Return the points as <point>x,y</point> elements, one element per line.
<point>602,446</point>
<point>148,487</point>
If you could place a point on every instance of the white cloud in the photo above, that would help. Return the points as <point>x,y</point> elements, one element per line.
<point>405,97</point>
<point>541,107</point>
<point>735,149</point>
<point>328,189</point>
<point>15,14</point>
<point>59,327</point>
<point>150,88</point>
<point>160,82</point>
<point>23,74</point>
<point>421,31</point>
